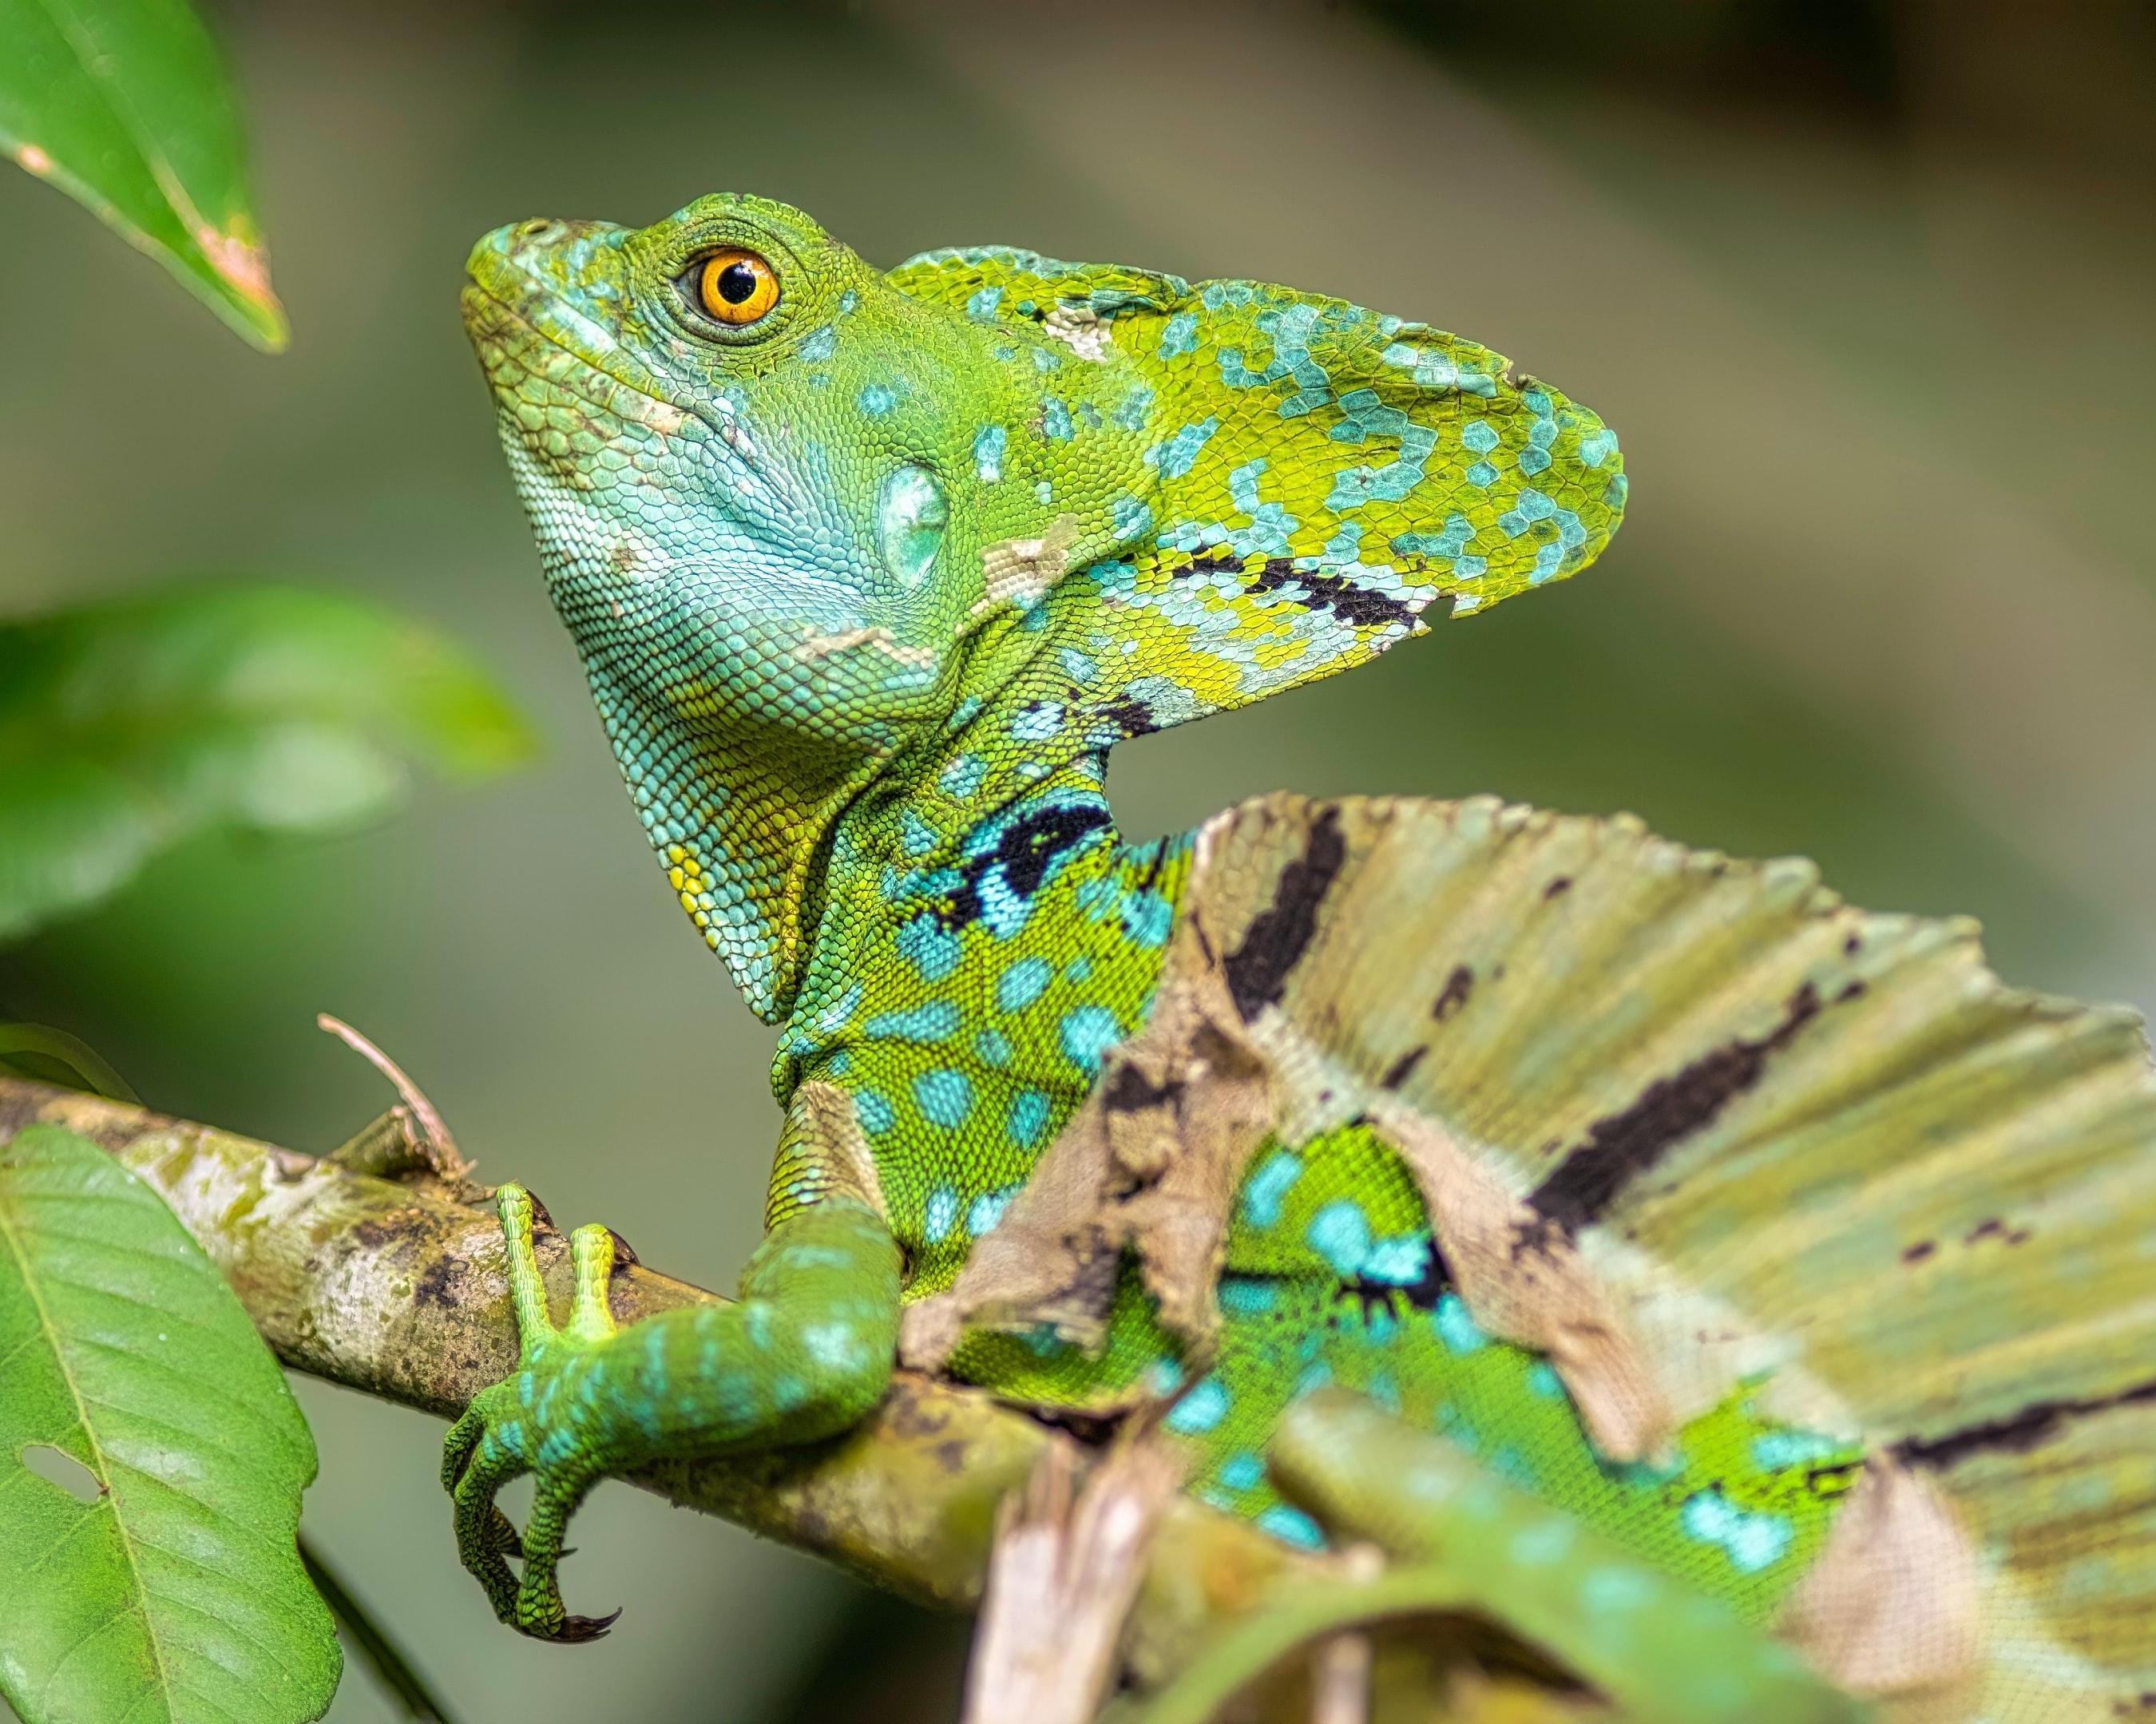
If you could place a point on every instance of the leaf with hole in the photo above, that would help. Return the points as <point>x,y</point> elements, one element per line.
<point>127,727</point>
<point>124,105</point>
<point>152,1460</point>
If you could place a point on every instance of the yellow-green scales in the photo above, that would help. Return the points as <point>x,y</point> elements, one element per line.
<point>1776,1241</point>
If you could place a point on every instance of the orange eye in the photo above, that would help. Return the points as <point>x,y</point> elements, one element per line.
<point>736,286</point>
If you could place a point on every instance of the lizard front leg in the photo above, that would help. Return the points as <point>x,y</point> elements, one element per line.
<point>805,1352</point>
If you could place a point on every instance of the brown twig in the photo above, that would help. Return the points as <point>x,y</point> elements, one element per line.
<point>1068,1562</point>
<point>427,1131</point>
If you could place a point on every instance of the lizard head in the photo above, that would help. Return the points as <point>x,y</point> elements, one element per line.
<point>970,522</point>
<point>800,493</point>
<point>727,528</point>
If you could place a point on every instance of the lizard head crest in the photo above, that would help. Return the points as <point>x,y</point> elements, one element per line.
<point>811,523</point>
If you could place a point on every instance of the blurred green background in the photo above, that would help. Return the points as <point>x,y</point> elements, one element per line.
<point>1868,287</point>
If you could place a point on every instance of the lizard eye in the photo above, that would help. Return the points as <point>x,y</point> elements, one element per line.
<point>735,287</point>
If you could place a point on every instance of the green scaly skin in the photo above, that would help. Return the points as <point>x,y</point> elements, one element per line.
<point>865,590</point>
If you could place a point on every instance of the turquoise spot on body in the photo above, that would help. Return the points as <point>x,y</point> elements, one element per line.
<point>1340,1234</point>
<point>1022,982</point>
<point>1179,336</point>
<point>1752,1542</point>
<point>930,1021</point>
<point>944,1096</point>
<point>1264,1189</point>
<point>988,447</point>
<point>1177,456</point>
<point>1038,723</point>
<point>1398,1262</point>
<point>1029,1118</point>
<point>916,834</point>
<point>1774,1450</point>
<point>1199,1411</point>
<point>1290,1526</point>
<point>1148,917</point>
<point>933,950</point>
<point>1088,1033</point>
<point>1459,1331</point>
<point>963,776</point>
<point>988,1209</point>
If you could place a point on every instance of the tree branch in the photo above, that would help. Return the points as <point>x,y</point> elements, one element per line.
<point>397,1290</point>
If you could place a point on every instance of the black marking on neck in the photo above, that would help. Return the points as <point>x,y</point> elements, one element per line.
<point>1257,969</point>
<point>2038,1422</point>
<point>1624,1146</point>
<point>1025,850</point>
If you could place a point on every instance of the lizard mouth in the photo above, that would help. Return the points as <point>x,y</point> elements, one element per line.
<point>527,335</point>
<point>531,362</point>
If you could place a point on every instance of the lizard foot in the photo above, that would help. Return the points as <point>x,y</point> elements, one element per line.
<point>542,1421</point>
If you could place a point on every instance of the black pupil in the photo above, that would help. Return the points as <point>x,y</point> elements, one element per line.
<point>737,283</point>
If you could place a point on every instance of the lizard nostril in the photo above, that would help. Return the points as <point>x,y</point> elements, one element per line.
<point>536,233</point>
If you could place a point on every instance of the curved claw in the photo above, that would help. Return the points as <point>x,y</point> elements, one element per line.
<point>530,1603</point>
<point>575,1628</point>
<point>509,1430</point>
<point>580,1405</point>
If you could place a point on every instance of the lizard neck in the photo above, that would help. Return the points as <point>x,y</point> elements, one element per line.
<point>743,818</point>
<point>985,937</point>
<point>940,865</point>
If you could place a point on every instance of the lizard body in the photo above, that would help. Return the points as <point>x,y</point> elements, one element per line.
<point>869,571</point>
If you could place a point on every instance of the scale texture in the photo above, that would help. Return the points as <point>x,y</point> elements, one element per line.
<point>1777,1244</point>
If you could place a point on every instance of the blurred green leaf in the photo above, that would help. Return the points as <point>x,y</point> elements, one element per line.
<point>127,727</point>
<point>46,1055</point>
<point>124,105</point>
<point>169,1585</point>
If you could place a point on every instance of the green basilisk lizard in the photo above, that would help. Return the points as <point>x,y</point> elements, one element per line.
<point>1774,1245</point>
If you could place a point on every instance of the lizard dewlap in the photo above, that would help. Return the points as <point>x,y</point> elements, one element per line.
<point>1775,1244</point>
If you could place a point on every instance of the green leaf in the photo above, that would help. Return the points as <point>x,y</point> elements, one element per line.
<point>126,728</point>
<point>175,1591</point>
<point>46,1055</point>
<point>123,104</point>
